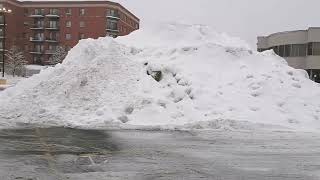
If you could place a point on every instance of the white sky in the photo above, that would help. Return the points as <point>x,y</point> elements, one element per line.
<point>243,18</point>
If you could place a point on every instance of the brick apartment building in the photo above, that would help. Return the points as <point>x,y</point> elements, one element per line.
<point>38,27</point>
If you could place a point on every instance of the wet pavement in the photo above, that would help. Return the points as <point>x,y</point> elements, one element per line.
<point>62,153</point>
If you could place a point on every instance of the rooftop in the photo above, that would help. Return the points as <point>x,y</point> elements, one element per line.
<point>284,32</point>
<point>66,2</point>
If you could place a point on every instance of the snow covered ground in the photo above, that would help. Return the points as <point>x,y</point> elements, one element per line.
<point>10,81</point>
<point>208,80</point>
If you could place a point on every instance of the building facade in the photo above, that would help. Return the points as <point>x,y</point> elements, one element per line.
<point>39,27</point>
<point>300,48</point>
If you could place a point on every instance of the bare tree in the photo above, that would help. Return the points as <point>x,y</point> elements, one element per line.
<point>58,56</point>
<point>15,62</point>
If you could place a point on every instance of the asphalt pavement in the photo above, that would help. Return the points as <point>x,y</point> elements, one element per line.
<point>63,154</point>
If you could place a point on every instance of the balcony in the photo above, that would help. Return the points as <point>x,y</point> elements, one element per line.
<point>36,51</point>
<point>113,16</point>
<point>54,28</point>
<point>115,30</point>
<point>37,27</point>
<point>36,39</point>
<point>37,15</point>
<point>50,40</point>
<point>53,15</point>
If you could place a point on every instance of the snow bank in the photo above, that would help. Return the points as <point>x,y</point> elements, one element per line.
<point>35,67</point>
<point>207,80</point>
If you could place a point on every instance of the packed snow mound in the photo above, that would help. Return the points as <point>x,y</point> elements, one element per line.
<point>175,34</point>
<point>170,76</point>
<point>94,81</point>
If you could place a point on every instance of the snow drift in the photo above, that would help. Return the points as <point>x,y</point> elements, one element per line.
<point>204,80</point>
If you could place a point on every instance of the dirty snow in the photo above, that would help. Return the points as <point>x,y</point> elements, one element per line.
<point>208,80</point>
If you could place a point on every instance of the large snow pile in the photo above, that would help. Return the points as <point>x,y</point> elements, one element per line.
<point>206,80</point>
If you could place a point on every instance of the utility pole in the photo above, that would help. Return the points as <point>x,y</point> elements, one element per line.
<point>3,12</point>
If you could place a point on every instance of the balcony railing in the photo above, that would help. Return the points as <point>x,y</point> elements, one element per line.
<point>52,40</point>
<point>37,15</point>
<point>36,39</point>
<point>53,15</point>
<point>37,27</point>
<point>113,16</point>
<point>52,27</point>
<point>112,29</point>
<point>36,51</point>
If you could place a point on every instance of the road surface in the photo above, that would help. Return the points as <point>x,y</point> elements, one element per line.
<point>71,154</point>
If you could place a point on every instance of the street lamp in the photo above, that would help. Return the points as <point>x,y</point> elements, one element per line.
<point>4,11</point>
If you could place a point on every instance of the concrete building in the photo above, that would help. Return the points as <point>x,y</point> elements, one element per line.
<point>300,48</point>
<point>39,27</point>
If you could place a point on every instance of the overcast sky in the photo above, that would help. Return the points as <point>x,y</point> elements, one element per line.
<point>243,18</point>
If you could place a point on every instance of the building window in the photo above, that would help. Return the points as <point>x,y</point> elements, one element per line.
<point>38,24</point>
<point>112,12</point>
<point>112,25</point>
<point>316,48</point>
<point>82,24</point>
<point>39,12</point>
<point>81,36</point>
<point>276,49</point>
<point>54,11</point>
<point>52,47</point>
<point>53,36</point>
<point>38,48</point>
<point>68,24</point>
<point>287,50</point>
<point>68,11</point>
<point>2,32</point>
<point>39,36</point>
<point>82,12</point>
<point>68,36</point>
<point>37,60</point>
<point>294,50</point>
<point>298,50</point>
<point>281,50</point>
<point>53,24</point>
<point>302,50</point>
<point>309,49</point>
